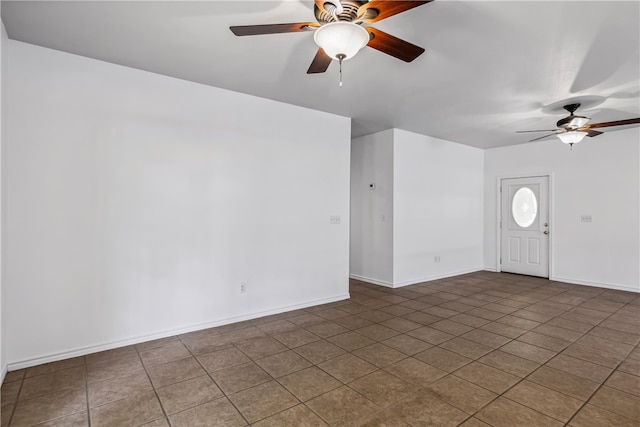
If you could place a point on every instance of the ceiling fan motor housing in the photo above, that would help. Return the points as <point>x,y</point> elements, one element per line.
<point>572,122</point>
<point>349,11</point>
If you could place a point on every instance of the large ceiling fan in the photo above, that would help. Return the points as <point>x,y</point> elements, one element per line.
<point>340,30</point>
<point>572,129</point>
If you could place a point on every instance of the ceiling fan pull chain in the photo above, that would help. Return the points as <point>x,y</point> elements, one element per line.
<point>341,56</point>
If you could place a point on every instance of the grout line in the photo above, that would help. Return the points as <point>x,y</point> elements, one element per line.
<point>614,370</point>
<point>15,405</point>
<point>596,391</point>
<point>233,345</point>
<point>224,393</point>
<point>529,330</point>
<point>485,284</point>
<point>152,386</point>
<point>342,384</point>
<point>86,387</point>
<point>471,360</point>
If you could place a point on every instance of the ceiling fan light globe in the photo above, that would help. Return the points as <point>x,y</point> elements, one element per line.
<point>572,137</point>
<point>341,38</point>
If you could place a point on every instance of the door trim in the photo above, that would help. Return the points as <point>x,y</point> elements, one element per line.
<point>498,235</point>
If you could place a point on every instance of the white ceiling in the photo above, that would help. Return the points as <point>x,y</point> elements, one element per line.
<point>490,67</point>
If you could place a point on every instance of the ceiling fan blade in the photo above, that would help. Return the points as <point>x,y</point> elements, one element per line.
<point>256,30</point>
<point>320,63</point>
<point>393,46</point>
<point>593,133</point>
<point>543,137</point>
<point>614,123</point>
<point>377,10</point>
<point>543,130</point>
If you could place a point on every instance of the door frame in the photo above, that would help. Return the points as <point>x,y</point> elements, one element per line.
<point>552,221</point>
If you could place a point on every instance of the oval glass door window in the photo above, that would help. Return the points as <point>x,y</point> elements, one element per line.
<point>524,207</point>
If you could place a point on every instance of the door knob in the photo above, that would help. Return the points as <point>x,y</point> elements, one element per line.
<point>546,231</point>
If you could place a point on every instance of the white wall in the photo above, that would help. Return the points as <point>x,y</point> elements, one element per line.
<point>438,208</point>
<point>599,177</point>
<point>3,131</point>
<point>371,253</point>
<point>136,205</point>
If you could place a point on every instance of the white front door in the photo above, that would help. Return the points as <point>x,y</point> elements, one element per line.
<point>524,225</point>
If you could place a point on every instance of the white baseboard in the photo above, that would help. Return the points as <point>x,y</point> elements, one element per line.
<point>413,281</point>
<point>595,285</point>
<point>434,277</point>
<point>492,269</point>
<point>583,282</point>
<point>3,373</point>
<point>82,351</point>
<point>370,280</point>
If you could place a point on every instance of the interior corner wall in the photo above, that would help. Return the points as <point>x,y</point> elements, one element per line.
<point>3,130</point>
<point>371,252</point>
<point>598,177</point>
<point>136,205</point>
<point>427,202</point>
<point>438,208</point>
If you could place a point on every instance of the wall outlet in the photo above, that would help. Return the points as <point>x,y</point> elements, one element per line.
<point>436,258</point>
<point>334,219</point>
<point>585,218</point>
<point>243,288</point>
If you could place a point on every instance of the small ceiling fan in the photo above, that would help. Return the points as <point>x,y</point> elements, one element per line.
<point>340,31</point>
<point>572,129</point>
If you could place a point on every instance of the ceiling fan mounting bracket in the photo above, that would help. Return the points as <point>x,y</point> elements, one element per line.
<point>571,108</point>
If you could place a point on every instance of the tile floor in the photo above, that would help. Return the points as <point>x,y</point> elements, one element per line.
<point>475,350</point>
